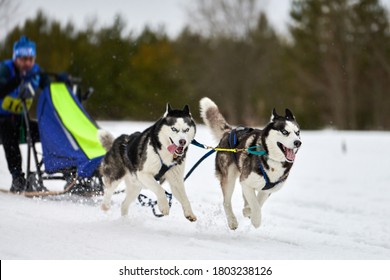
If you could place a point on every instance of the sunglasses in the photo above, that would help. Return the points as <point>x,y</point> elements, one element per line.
<point>26,58</point>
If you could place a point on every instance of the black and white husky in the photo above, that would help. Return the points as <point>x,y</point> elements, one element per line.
<point>259,175</point>
<point>143,159</point>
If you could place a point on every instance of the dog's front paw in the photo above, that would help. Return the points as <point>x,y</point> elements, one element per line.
<point>256,220</point>
<point>233,224</point>
<point>246,211</point>
<point>105,207</point>
<point>189,214</point>
<point>163,206</point>
<point>191,218</point>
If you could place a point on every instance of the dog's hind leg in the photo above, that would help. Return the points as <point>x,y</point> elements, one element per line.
<point>133,188</point>
<point>228,181</point>
<point>109,188</point>
<point>175,180</point>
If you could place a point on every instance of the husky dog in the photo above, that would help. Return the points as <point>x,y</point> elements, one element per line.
<point>259,175</point>
<point>143,159</point>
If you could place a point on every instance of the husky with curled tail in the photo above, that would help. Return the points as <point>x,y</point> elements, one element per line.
<point>146,159</point>
<point>260,173</point>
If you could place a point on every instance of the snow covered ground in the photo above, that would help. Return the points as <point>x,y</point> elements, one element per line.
<point>334,205</point>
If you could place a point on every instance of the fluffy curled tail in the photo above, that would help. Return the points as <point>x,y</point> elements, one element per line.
<point>213,118</point>
<point>106,138</point>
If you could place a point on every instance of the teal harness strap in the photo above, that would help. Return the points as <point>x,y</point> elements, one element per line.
<point>254,150</point>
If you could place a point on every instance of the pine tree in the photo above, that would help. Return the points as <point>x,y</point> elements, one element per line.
<point>334,43</point>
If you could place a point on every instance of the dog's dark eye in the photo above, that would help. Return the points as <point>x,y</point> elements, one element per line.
<point>174,129</point>
<point>297,133</point>
<point>186,130</point>
<point>285,132</point>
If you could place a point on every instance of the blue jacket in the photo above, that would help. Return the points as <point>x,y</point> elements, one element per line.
<point>9,88</point>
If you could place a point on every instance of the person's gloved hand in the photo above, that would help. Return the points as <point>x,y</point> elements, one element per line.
<point>26,91</point>
<point>27,75</point>
<point>30,76</point>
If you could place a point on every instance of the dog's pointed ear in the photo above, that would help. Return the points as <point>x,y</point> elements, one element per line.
<point>274,115</point>
<point>289,115</point>
<point>186,110</point>
<point>168,110</point>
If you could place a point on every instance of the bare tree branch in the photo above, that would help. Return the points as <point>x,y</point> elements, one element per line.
<point>225,18</point>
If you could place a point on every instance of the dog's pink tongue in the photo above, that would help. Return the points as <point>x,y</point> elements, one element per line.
<point>172,148</point>
<point>290,155</point>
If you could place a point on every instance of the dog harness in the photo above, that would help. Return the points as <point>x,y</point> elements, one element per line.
<point>254,150</point>
<point>147,202</point>
<point>233,144</point>
<point>268,183</point>
<point>164,168</point>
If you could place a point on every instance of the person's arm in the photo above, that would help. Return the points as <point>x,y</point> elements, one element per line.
<point>7,85</point>
<point>44,80</point>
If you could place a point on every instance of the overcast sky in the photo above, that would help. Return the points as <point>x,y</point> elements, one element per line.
<point>173,14</point>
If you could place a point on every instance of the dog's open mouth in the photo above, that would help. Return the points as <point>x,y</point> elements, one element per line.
<point>288,153</point>
<point>174,149</point>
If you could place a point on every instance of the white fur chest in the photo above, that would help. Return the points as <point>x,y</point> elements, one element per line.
<point>275,171</point>
<point>274,174</point>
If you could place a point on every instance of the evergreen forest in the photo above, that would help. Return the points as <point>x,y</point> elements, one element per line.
<point>332,69</point>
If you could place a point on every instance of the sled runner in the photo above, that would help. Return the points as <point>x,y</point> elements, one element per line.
<point>70,149</point>
<point>42,193</point>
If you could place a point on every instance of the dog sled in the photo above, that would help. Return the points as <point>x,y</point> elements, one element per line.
<point>71,151</point>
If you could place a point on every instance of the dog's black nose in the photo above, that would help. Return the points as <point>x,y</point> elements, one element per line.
<point>297,143</point>
<point>182,142</point>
